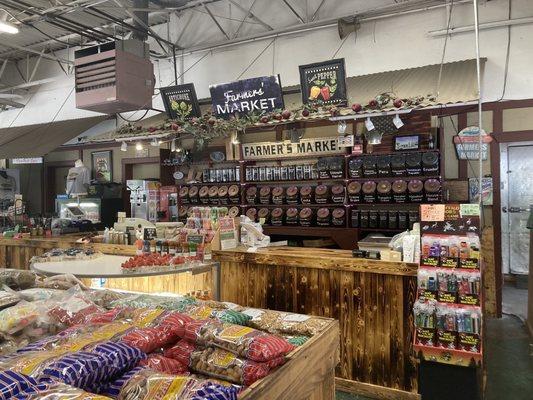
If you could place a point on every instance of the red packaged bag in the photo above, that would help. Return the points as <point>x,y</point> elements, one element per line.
<point>160,363</point>
<point>218,363</point>
<point>149,339</point>
<point>74,310</point>
<point>176,323</point>
<point>240,340</point>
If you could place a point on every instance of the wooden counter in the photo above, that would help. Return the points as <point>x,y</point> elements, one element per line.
<point>371,299</point>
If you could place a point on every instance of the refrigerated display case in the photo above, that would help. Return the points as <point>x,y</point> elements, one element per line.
<point>78,209</point>
<point>168,204</point>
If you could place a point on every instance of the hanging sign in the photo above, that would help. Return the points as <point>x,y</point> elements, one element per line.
<point>324,82</point>
<point>180,101</point>
<point>315,146</point>
<point>27,160</point>
<point>467,144</point>
<point>255,95</point>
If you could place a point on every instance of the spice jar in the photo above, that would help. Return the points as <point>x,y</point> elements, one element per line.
<point>251,195</point>
<point>430,163</point>
<point>369,191</point>
<point>370,169</point>
<point>432,189</point>
<point>398,165</point>
<point>383,165</point>
<point>278,195</point>
<point>355,167</point>
<point>223,195</point>
<point>233,194</point>
<point>323,168</point>
<point>415,187</point>
<point>354,192</point>
<point>306,217</point>
<point>413,164</point>
<point>291,216</point>
<point>306,194</point>
<point>264,195</point>
<point>213,195</point>
<point>338,217</point>
<point>323,217</point>
<point>264,215</point>
<point>337,193</point>
<point>292,195</point>
<point>233,212</point>
<point>252,214</point>
<point>184,195</point>
<point>203,194</point>
<point>193,195</point>
<point>399,191</point>
<point>321,194</point>
<point>276,217</point>
<point>384,189</point>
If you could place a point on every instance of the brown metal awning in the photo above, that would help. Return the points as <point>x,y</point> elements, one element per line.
<point>40,139</point>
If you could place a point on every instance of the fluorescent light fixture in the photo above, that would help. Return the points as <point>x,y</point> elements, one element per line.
<point>6,27</point>
<point>139,146</point>
<point>398,123</point>
<point>124,146</point>
<point>341,128</point>
<point>369,125</point>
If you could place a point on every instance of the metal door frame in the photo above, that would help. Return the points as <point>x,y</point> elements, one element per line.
<point>504,188</point>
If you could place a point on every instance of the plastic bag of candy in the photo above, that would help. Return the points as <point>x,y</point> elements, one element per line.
<point>8,298</point>
<point>120,356</point>
<point>13,383</point>
<point>204,311</point>
<point>16,318</point>
<point>240,340</point>
<point>17,278</point>
<point>177,303</point>
<point>150,339</point>
<point>56,391</point>
<point>61,282</point>
<point>74,308</point>
<point>37,294</point>
<point>160,363</point>
<point>282,322</point>
<point>175,322</point>
<point>218,363</point>
<point>112,389</point>
<point>151,385</point>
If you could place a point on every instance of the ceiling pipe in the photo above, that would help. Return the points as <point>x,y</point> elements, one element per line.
<point>141,21</point>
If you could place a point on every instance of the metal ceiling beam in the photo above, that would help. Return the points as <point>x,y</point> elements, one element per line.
<point>29,50</point>
<point>216,22</point>
<point>315,14</point>
<point>249,14</point>
<point>294,11</point>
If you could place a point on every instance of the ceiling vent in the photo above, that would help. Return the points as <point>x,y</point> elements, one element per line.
<point>114,77</point>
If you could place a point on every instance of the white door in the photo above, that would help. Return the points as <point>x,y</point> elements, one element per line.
<point>517,198</point>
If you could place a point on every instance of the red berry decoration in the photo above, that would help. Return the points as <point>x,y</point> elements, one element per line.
<point>151,129</point>
<point>356,107</point>
<point>264,119</point>
<point>286,114</point>
<point>174,127</point>
<point>333,111</point>
<point>373,103</point>
<point>211,121</point>
<point>305,113</point>
<point>278,117</point>
<point>398,103</point>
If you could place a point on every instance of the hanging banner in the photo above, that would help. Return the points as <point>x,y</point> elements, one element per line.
<point>255,95</point>
<point>315,146</point>
<point>324,82</point>
<point>180,101</point>
<point>467,144</point>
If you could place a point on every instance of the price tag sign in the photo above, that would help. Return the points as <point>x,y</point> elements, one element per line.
<point>470,210</point>
<point>432,212</point>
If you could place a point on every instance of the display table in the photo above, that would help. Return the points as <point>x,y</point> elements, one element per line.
<point>371,299</point>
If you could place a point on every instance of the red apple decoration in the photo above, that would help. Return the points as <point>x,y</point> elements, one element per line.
<point>151,129</point>
<point>264,119</point>
<point>211,121</point>
<point>398,103</point>
<point>373,103</point>
<point>305,112</point>
<point>278,117</point>
<point>356,107</point>
<point>286,114</point>
<point>174,127</point>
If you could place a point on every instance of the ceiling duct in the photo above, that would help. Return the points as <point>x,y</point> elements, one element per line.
<point>347,25</point>
<point>140,21</point>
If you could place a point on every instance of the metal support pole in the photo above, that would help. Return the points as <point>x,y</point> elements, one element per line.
<point>480,108</point>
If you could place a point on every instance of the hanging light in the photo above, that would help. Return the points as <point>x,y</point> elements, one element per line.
<point>179,148</point>
<point>341,128</point>
<point>173,145</point>
<point>374,137</point>
<point>154,142</point>
<point>124,146</point>
<point>369,125</point>
<point>139,146</point>
<point>6,27</point>
<point>398,123</point>
<point>235,138</point>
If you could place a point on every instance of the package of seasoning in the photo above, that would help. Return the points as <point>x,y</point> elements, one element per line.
<point>369,191</point>
<point>277,173</point>
<point>307,172</point>
<point>363,219</point>
<point>237,174</point>
<point>337,193</point>
<point>336,167</point>
<point>306,216</point>
<point>384,190</point>
<point>402,220</point>
<point>223,195</point>
<point>355,218</point>
<point>291,216</point>
<point>432,189</point>
<point>299,173</point>
<point>193,194</point>
<point>276,217</point>
<point>284,173</point>
<point>248,173</point>
<point>234,194</point>
<point>414,216</point>
<point>384,165</point>
<point>323,168</point>
<point>354,192</point>
<point>264,215</point>
<point>413,163</point>
<point>321,194</point>
<point>430,163</point>
<point>262,173</point>
<point>255,171</point>
<point>306,194</point>
<point>165,249</point>
<point>398,165</point>
<point>172,247</point>
<point>323,217</point>
<point>338,217</point>
<point>158,246</point>
<point>184,195</point>
<point>264,195</point>
<point>372,219</point>
<point>415,188</point>
<point>393,219</point>
<point>399,191</point>
<point>291,170</point>
<point>269,173</point>
<point>251,195</point>
<point>291,195</point>
<point>233,212</point>
<point>252,214</point>
<point>355,167</point>
<point>203,195</point>
<point>213,195</point>
<point>278,195</point>
<point>370,169</point>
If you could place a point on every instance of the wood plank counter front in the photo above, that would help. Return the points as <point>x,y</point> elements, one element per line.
<point>371,299</point>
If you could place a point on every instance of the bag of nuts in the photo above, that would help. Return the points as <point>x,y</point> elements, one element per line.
<point>240,340</point>
<point>284,323</point>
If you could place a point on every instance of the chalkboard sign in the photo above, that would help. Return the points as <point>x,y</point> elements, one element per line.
<point>324,82</point>
<point>149,233</point>
<point>180,101</point>
<point>255,95</point>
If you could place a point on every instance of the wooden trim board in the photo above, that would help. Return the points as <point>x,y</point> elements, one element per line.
<point>373,391</point>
